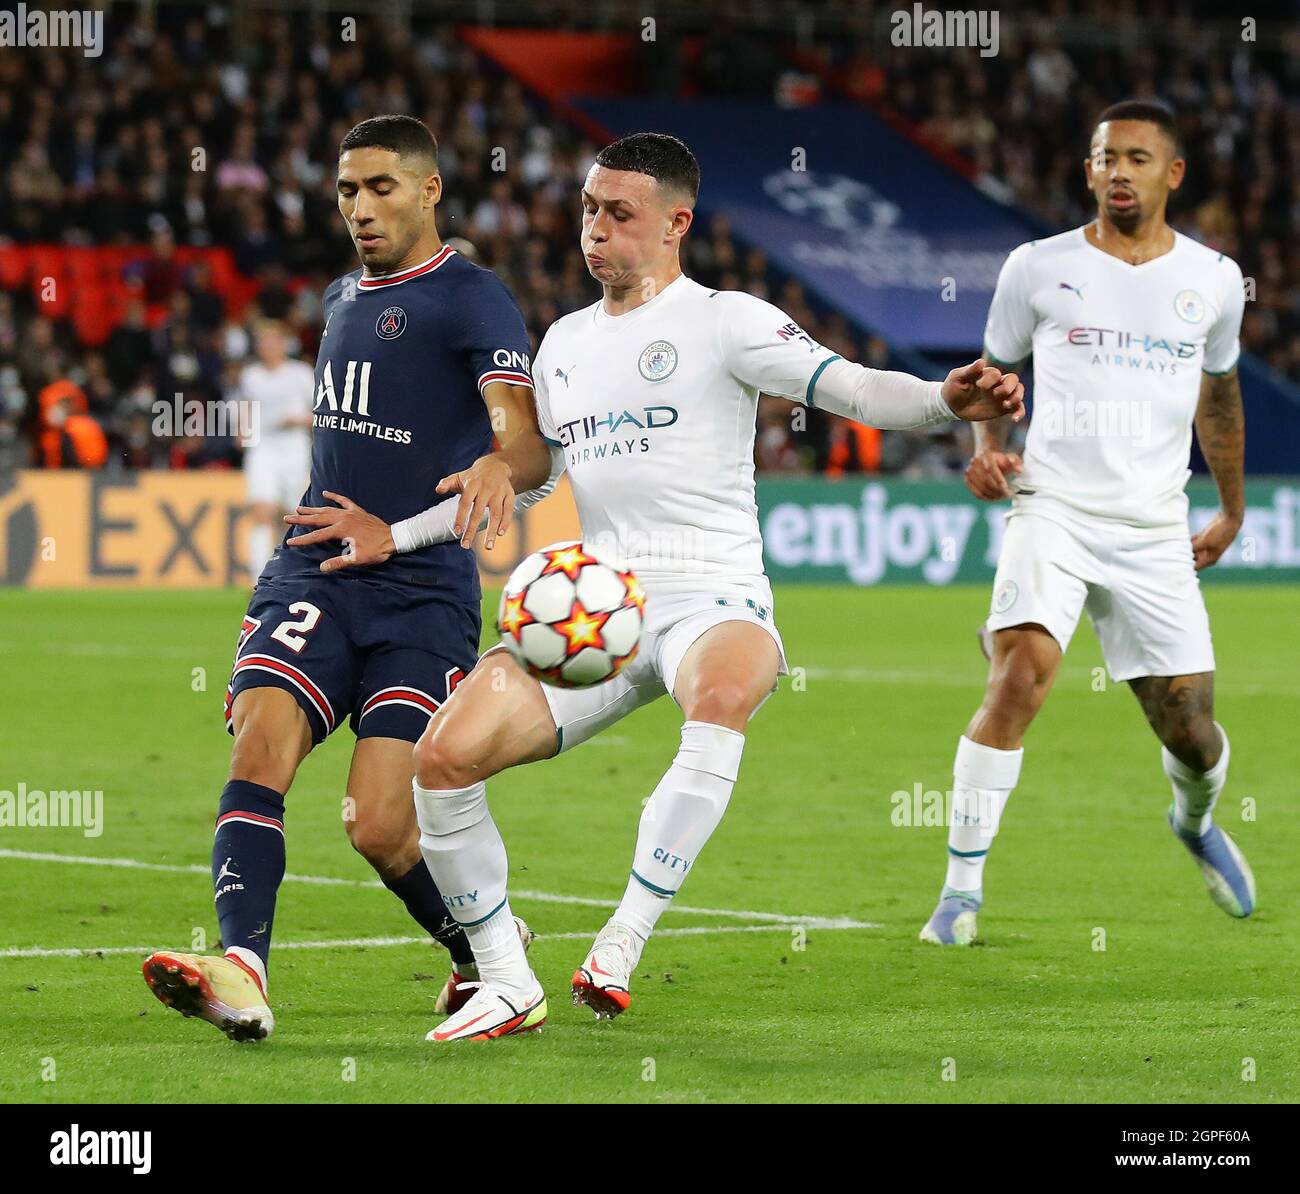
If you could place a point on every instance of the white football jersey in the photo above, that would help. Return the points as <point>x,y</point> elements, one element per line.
<point>1118,354</point>
<point>280,394</point>
<point>655,409</point>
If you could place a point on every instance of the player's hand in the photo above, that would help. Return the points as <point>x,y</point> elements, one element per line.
<point>978,391</point>
<point>1213,539</point>
<point>366,539</point>
<point>484,488</point>
<point>986,475</point>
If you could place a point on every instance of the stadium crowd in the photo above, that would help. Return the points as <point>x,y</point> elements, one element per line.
<point>190,137</point>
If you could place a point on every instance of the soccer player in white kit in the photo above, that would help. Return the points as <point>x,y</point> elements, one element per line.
<point>1134,334</point>
<point>648,399</point>
<point>277,463</point>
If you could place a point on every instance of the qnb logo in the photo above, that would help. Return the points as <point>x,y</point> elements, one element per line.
<point>674,862</point>
<point>505,358</point>
<point>594,426</point>
<point>1121,341</point>
<point>356,385</point>
<point>85,1146</point>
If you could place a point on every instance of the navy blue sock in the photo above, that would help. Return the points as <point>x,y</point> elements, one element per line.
<point>248,864</point>
<point>417,890</point>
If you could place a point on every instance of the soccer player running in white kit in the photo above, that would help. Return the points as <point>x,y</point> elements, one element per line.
<point>648,398</point>
<point>277,463</point>
<point>1134,333</point>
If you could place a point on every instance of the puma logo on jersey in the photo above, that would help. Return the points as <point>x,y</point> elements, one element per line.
<point>560,373</point>
<point>1077,289</point>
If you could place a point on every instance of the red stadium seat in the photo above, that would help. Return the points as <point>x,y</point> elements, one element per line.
<point>94,316</point>
<point>13,266</point>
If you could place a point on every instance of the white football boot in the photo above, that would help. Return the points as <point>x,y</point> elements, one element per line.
<point>456,992</point>
<point>603,981</point>
<point>489,1013</point>
<point>222,991</point>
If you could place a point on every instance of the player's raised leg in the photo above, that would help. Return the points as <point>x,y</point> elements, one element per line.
<point>272,737</point>
<point>497,718</point>
<point>725,674</point>
<point>987,766</point>
<point>1195,753</point>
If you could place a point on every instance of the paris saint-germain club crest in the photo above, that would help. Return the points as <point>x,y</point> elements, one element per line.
<point>658,360</point>
<point>391,324</point>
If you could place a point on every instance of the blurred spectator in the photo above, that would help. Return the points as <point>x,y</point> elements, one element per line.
<point>70,438</point>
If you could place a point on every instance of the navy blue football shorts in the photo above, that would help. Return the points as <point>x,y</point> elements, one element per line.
<point>385,655</point>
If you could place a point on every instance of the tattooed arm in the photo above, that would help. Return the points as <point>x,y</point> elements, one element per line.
<point>1221,432</point>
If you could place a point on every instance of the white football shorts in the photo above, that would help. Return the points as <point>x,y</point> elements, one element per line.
<point>1141,592</point>
<point>277,473</point>
<point>674,620</point>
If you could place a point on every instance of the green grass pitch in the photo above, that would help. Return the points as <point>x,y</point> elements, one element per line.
<point>1182,1004</point>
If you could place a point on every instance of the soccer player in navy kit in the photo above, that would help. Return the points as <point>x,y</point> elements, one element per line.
<point>423,356</point>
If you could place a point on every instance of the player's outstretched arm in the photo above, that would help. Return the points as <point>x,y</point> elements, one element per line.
<point>1221,432</point>
<point>897,401</point>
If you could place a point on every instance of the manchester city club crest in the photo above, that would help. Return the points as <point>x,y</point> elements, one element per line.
<point>391,324</point>
<point>658,360</point>
<point>1190,306</point>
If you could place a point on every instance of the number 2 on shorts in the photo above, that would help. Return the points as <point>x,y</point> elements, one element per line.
<point>294,634</point>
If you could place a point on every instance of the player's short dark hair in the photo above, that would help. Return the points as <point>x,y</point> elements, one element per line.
<point>404,135</point>
<point>1150,111</point>
<point>666,159</point>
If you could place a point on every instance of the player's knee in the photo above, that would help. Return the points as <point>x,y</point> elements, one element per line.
<point>391,847</point>
<point>1195,742</point>
<point>440,763</point>
<point>265,755</point>
<point>1018,686</point>
<point>720,701</point>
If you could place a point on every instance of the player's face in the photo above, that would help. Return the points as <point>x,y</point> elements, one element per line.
<point>270,346</point>
<point>385,204</point>
<point>1131,169</point>
<point>629,226</point>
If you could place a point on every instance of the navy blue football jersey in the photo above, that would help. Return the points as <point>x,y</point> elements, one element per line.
<point>402,365</point>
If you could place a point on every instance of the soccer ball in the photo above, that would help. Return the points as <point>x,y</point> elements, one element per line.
<point>571,616</point>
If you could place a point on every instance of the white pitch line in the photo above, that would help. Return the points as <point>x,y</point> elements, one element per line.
<point>540,897</point>
<point>16,951</point>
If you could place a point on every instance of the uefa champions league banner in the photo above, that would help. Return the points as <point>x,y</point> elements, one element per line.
<point>865,219</point>
<point>935,533</point>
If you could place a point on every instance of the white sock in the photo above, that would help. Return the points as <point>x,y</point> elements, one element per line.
<point>467,859</point>
<point>1195,792</point>
<point>982,780</point>
<point>261,543</point>
<point>681,814</point>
